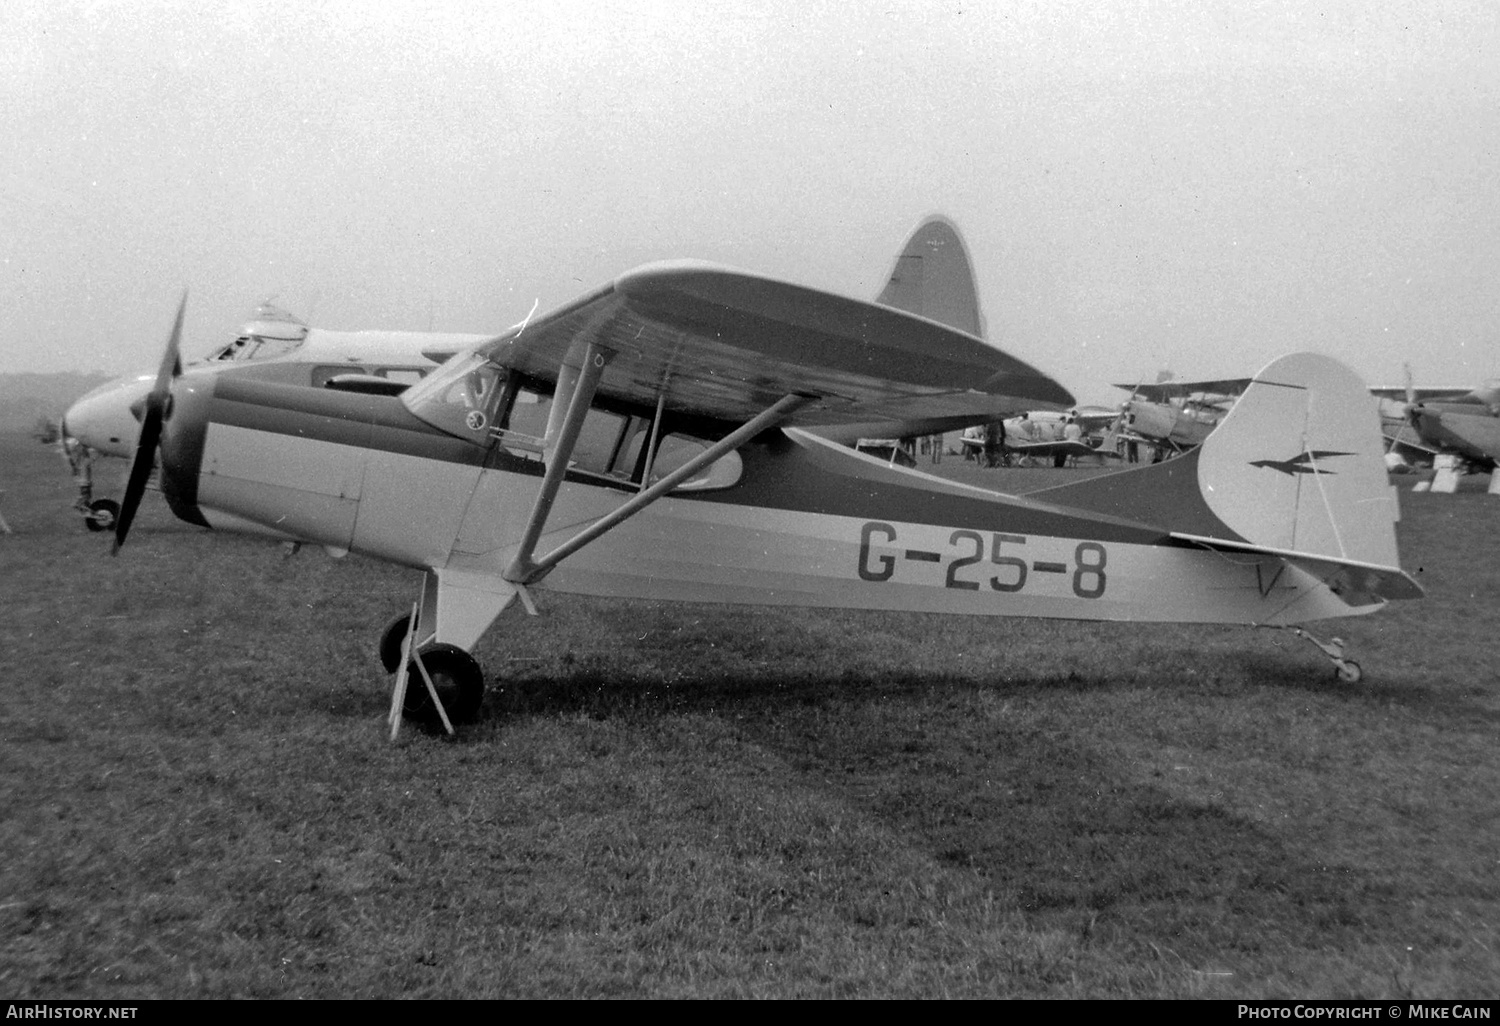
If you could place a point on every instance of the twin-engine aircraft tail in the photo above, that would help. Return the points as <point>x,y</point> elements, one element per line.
<point>1296,470</point>
<point>933,278</point>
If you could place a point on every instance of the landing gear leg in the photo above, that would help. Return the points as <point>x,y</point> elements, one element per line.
<point>391,641</point>
<point>435,681</point>
<point>411,701</point>
<point>1347,670</point>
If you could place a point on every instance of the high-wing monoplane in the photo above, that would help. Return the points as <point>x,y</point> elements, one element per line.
<point>656,440</point>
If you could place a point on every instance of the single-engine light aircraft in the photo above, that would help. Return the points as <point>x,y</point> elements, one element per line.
<point>1459,428</point>
<point>656,439</point>
<point>1173,416</point>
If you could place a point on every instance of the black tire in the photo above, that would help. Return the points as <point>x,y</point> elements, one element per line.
<point>458,679</point>
<point>102,515</point>
<point>390,643</point>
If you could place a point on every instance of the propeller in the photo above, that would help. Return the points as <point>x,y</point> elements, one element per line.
<point>157,409</point>
<point>1411,415</point>
<point>1411,418</point>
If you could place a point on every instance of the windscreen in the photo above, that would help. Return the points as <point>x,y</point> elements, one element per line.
<point>460,397</point>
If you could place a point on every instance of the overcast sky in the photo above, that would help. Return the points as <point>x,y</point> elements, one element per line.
<point>1194,185</point>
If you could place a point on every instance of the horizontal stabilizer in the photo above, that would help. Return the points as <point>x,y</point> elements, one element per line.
<point>1359,584</point>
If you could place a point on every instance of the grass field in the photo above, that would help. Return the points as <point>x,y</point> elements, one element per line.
<point>199,799</point>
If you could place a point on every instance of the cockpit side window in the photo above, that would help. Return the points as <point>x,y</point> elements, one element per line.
<point>256,347</point>
<point>472,398</point>
<point>239,349</point>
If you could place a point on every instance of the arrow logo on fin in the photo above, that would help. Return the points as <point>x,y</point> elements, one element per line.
<point>1302,463</point>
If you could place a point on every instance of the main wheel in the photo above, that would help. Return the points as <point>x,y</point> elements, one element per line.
<point>102,515</point>
<point>456,676</point>
<point>1349,672</point>
<point>390,643</point>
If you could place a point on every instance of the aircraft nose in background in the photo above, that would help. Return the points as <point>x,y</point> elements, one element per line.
<point>102,419</point>
<point>1152,421</point>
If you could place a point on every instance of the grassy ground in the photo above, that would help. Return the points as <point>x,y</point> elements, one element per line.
<point>197,797</point>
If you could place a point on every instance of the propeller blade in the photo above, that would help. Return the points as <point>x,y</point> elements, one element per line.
<point>1411,391</point>
<point>152,418</point>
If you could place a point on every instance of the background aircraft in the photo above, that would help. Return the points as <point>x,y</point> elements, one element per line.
<point>933,277</point>
<point>1174,416</point>
<point>654,440</point>
<point>1457,427</point>
<point>1045,436</point>
<point>273,346</point>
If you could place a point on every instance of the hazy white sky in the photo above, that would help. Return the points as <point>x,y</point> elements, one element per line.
<point>1199,185</point>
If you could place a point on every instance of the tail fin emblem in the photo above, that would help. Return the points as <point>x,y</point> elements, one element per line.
<point>1302,463</point>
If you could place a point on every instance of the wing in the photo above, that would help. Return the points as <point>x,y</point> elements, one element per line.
<point>1425,394</point>
<point>1065,448</point>
<point>726,344</point>
<point>1165,390</point>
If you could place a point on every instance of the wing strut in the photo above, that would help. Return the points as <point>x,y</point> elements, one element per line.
<point>524,570</point>
<point>575,387</point>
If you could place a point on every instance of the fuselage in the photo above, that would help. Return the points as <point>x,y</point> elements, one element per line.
<point>789,519</point>
<point>1467,428</point>
<point>1181,426</point>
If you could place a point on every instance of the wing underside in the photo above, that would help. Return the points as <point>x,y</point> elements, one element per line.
<point>1166,390</point>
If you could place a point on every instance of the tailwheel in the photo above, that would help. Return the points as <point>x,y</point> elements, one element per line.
<point>456,676</point>
<point>101,515</point>
<point>1346,670</point>
<point>390,643</point>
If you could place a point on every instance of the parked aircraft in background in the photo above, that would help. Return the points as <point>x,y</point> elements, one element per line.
<point>1044,436</point>
<point>1174,416</point>
<point>932,278</point>
<point>653,440</point>
<point>272,346</point>
<point>1457,427</point>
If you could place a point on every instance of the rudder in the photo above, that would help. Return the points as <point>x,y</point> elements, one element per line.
<point>1299,464</point>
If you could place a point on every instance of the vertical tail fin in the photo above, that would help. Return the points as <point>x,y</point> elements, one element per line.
<point>1296,469</point>
<point>933,278</point>
<point>1299,464</point>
